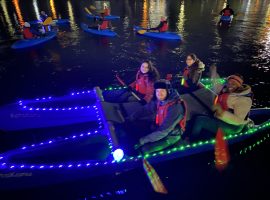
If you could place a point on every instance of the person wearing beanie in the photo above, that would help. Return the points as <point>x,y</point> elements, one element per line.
<point>192,73</point>
<point>231,108</point>
<point>167,111</point>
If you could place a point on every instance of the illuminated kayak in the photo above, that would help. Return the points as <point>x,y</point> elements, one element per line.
<point>55,21</point>
<point>108,17</point>
<point>158,35</point>
<point>105,32</point>
<point>22,44</point>
<point>86,154</point>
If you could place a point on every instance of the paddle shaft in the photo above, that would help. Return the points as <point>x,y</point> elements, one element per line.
<point>124,84</point>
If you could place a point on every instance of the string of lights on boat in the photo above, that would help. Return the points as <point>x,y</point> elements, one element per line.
<point>12,166</point>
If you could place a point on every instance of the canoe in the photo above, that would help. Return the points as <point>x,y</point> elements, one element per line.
<point>97,152</point>
<point>22,44</point>
<point>164,35</point>
<point>109,17</point>
<point>107,32</point>
<point>55,21</point>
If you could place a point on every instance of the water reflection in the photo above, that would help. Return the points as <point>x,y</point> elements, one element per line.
<point>181,17</point>
<point>36,9</point>
<point>18,11</point>
<point>53,9</point>
<point>71,16</point>
<point>7,18</point>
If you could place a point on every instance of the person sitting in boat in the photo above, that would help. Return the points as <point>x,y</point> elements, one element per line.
<point>43,16</point>
<point>226,13</point>
<point>28,33</point>
<point>162,27</point>
<point>144,82</point>
<point>192,73</point>
<point>231,109</point>
<point>168,113</point>
<point>106,10</point>
<point>103,25</point>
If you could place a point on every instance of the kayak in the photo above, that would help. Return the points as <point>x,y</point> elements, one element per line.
<point>108,17</point>
<point>22,44</point>
<point>105,32</point>
<point>158,35</point>
<point>97,152</point>
<point>55,21</point>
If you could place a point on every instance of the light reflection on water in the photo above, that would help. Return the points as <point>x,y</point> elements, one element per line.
<point>83,58</point>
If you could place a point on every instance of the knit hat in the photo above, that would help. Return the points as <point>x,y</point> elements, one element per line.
<point>26,24</point>
<point>237,79</point>
<point>163,84</point>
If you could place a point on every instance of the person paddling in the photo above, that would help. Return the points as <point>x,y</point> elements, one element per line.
<point>168,114</point>
<point>162,27</point>
<point>231,109</point>
<point>226,14</point>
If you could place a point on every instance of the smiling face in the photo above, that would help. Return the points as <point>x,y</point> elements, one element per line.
<point>161,94</point>
<point>189,61</point>
<point>144,68</point>
<point>232,85</point>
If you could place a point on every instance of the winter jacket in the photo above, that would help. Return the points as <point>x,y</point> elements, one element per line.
<point>174,115</point>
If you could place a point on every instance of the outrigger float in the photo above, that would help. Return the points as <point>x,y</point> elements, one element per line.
<point>74,137</point>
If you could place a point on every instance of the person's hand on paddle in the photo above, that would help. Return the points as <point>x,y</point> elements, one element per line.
<point>218,110</point>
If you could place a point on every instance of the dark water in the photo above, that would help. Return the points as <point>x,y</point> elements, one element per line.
<point>77,60</point>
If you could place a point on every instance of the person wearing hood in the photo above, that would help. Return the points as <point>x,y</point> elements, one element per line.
<point>43,16</point>
<point>231,108</point>
<point>163,25</point>
<point>226,13</point>
<point>168,113</point>
<point>192,73</point>
<point>28,33</point>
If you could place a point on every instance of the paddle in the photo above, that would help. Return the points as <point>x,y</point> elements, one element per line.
<point>48,21</point>
<point>152,175</point>
<point>92,7</point>
<point>88,11</point>
<point>124,84</point>
<point>141,31</point>
<point>222,156</point>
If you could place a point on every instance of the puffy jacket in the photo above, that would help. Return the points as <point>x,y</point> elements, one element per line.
<point>192,76</point>
<point>237,105</point>
<point>175,113</point>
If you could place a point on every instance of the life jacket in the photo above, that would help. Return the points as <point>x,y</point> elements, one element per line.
<point>142,82</point>
<point>107,11</point>
<point>165,27</point>
<point>27,34</point>
<point>162,113</point>
<point>104,25</point>
<point>227,12</point>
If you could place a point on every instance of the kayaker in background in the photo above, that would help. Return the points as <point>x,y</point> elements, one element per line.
<point>166,113</point>
<point>144,82</point>
<point>28,33</point>
<point>163,25</point>
<point>43,16</point>
<point>192,73</point>
<point>107,11</point>
<point>104,24</point>
<point>226,13</point>
<point>231,109</point>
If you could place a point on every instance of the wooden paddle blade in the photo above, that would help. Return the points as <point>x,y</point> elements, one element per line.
<point>222,156</point>
<point>48,21</point>
<point>92,7</point>
<point>141,31</point>
<point>88,11</point>
<point>154,178</point>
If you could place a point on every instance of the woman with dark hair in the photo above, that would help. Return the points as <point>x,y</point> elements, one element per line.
<point>192,73</point>
<point>146,76</point>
